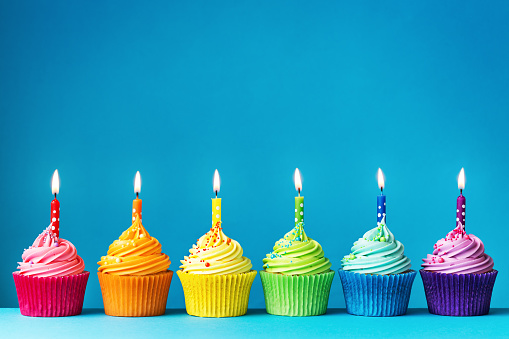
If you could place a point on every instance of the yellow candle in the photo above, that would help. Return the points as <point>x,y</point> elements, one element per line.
<point>216,202</point>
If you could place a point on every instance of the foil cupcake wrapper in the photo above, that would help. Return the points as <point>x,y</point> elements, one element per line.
<point>51,296</point>
<point>375,295</point>
<point>135,296</point>
<point>296,295</point>
<point>458,294</point>
<point>225,295</point>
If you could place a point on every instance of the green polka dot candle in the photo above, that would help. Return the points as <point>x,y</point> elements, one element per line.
<point>299,201</point>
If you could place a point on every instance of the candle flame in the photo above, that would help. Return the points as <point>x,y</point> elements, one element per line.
<point>461,179</point>
<point>381,179</point>
<point>137,183</point>
<point>298,180</point>
<point>55,183</point>
<point>217,182</point>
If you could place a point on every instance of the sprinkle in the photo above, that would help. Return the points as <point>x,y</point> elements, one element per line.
<point>207,264</point>
<point>382,239</point>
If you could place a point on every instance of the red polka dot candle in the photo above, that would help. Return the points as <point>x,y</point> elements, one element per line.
<point>55,205</point>
<point>461,201</point>
<point>137,201</point>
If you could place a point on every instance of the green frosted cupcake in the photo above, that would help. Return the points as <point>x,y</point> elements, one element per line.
<point>297,277</point>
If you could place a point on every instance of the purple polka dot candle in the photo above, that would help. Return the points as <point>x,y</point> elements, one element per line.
<point>380,199</point>
<point>461,202</point>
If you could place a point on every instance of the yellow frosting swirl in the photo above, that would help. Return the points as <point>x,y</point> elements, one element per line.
<point>215,253</point>
<point>134,253</point>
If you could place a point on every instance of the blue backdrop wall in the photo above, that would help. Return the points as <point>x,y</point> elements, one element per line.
<point>177,89</point>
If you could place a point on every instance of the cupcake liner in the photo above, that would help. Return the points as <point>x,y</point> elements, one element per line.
<point>133,295</point>
<point>296,295</point>
<point>51,296</point>
<point>224,295</point>
<point>377,295</point>
<point>458,294</point>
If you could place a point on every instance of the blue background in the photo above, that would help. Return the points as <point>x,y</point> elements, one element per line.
<point>175,90</point>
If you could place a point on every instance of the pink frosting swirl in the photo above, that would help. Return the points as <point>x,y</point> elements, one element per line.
<point>458,253</point>
<point>50,256</point>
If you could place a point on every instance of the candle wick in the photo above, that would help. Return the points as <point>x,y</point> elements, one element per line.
<point>137,194</point>
<point>299,191</point>
<point>55,195</point>
<point>216,194</point>
<point>461,191</point>
<point>382,191</point>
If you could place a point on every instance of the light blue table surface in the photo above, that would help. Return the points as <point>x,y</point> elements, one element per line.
<point>93,323</point>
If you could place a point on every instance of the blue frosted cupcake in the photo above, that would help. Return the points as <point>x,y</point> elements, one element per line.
<point>376,275</point>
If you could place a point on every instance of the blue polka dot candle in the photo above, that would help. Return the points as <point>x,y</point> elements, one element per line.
<point>461,202</point>
<point>299,201</point>
<point>216,202</point>
<point>380,199</point>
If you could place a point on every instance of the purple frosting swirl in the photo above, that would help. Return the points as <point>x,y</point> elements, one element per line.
<point>458,253</point>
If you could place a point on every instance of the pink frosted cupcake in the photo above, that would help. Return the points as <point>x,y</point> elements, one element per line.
<point>51,280</point>
<point>458,276</point>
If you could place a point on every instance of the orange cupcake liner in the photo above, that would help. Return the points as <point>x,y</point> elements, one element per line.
<point>225,295</point>
<point>135,296</point>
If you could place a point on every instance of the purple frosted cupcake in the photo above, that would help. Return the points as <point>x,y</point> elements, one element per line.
<point>458,277</point>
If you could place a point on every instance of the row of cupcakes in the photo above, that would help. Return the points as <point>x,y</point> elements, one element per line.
<point>376,276</point>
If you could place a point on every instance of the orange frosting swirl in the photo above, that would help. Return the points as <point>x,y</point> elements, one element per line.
<point>134,253</point>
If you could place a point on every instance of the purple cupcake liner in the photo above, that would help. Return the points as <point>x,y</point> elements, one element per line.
<point>458,294</point>
<point>376,295</point>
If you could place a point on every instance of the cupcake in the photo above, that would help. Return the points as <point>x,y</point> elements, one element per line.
<point>458,277</point>
<point>134,275</point>
<point>51,280</point>
<point>376,275</point>
<point>297,277</point>
<point>216,278</point>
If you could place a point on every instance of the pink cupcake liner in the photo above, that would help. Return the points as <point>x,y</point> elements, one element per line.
<point>458,294</point>
<point>51,296</point>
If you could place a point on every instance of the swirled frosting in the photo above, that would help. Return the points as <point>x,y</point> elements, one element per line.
<point>296,254</point>
<point>215,253</point>
<point>50,256</point>
<point>377,252</point>
<point>134,253</point>
<point>458,253</point>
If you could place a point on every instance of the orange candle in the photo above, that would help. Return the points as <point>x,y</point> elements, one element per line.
<point>137,201</point>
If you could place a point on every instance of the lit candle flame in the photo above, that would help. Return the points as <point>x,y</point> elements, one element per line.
<point>137,183</point>
<point>298,180</point>
<point>55,183</point>
<point>381,179</point>
<point>217,182</point>
<point>461,179</point>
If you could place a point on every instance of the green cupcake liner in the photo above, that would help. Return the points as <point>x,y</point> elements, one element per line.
<point>296,295</point>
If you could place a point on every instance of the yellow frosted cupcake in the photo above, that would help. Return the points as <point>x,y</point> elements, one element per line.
<point>216,278</point>
<point>134,275</point>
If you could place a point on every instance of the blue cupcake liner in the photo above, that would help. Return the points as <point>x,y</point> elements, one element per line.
<point>458,294</point>
<point>375,295</point>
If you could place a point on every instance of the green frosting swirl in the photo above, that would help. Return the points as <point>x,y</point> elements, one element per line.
<point>377,252</point>
<point>296,254</point>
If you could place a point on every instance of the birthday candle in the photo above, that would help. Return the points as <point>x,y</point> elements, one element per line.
<point>55,205</point>
<point>299,201</point>
<point>380,199</point>
<point>216,202</point>
<point>461,201</point>
<point>137,201</point>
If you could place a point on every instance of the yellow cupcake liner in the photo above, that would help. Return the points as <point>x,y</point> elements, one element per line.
<point>225,295</point>
<point>135,296</point>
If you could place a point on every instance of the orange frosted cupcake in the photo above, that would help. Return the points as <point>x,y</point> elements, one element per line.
<point>134,275</point>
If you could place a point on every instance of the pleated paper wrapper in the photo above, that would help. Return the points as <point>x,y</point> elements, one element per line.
<point>377,295</point>
<point>225,295</point>
<point>135,296</point>
<point>51,296</point>
<point>296,295</point>
<point>458,294</point>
